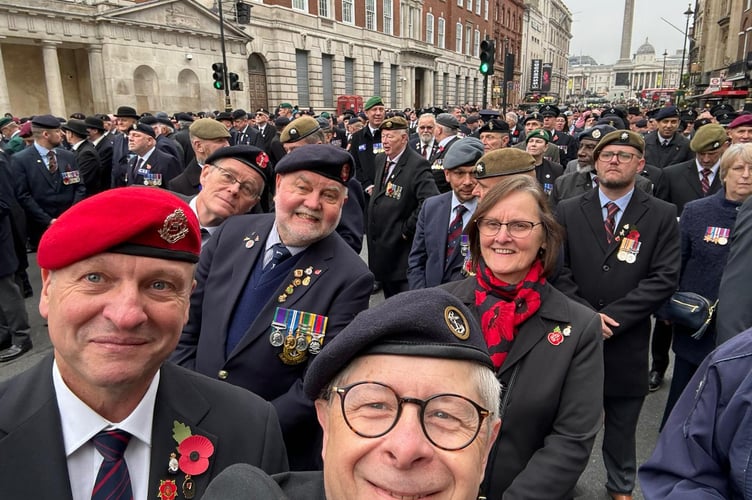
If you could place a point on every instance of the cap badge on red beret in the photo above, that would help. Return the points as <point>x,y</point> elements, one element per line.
<point>175,227</point>
<point>457,322</point>
<point>262,160</point>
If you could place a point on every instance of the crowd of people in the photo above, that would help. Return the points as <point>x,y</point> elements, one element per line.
<point>524,259</point>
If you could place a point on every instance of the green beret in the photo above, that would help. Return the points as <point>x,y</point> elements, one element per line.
<point>708,138</point>
<point>504,161</point>
<point>540,133</point>
<point>299,128</point>
<point>5,121</point>
<point>208,129</point>
<point>621,137</point>
<point>373,101</point>
<point>285,105</point>
<point>394,123</point>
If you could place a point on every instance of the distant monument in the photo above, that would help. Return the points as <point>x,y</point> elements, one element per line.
<point>622,85</point>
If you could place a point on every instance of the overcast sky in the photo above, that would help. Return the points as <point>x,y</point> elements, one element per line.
<point>597,27</point>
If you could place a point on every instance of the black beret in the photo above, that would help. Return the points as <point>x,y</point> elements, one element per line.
<point>612,121</point>
<point>533,116</point>
<point>702,121</point>
<point>149,120</point>
<point>78,127</point>
<point>614,111</point>
<point>332,162</point>
<point>184,117</point>
<point>667,112</point>
<point>45,121</point>
<point>353,121</point>
<point>429,323</point>
<point>251,156</point>
<point>495,125</point>
<point>633,110</point>
<point>595,133</point>
<point>224,115</point>
<point>472,119</point>
<point>239,113</point>
<point>727,118</point>
<point>488,113</point>
<point>144,129</point>
<point>282,121</point>
<point>721,108</point>
<point>549,110</point>
<point>641,123</point>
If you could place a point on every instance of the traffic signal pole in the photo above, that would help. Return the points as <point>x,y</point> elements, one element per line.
<point>485,91</point>
<point>228,104</point>
<point>487,60</point>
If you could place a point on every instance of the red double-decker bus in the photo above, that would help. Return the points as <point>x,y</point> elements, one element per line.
<point>657,95</point>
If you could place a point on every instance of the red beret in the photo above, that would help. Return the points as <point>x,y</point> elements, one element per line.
<point>741,121</point>
<point>135,220</point>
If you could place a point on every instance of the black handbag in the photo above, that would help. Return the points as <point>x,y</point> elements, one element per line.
<point>691,310</point>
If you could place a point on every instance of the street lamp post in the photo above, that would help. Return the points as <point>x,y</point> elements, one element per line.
<point>688,13</point>
<point>663,75</point>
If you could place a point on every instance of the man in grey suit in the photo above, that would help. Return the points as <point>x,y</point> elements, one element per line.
<point>436,256</point>
<point>105,416</point>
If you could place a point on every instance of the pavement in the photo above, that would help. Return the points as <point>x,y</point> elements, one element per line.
<point>591,484</point>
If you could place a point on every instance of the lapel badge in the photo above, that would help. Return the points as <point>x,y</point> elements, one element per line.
<point>456,322</point>
<point>556,336</point>
<point>306,281</point>
<point>282,298</point>
<point>567,330</point>
<point>168,490</point>
<point>297,282</point>
<point>251,240</point>
<point>317,272</point>
<point>172,464</point>
<point>309,270</point>
<point>298,273</point>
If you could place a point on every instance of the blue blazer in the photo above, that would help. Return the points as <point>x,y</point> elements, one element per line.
<point>44,196</point>
<point>425,265</point>
<point>31,438</point>
<point>340,287</point>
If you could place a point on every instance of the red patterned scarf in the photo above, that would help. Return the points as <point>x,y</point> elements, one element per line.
<point>504,307</point>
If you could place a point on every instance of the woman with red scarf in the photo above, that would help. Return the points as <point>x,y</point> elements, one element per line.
<point>547,349</point>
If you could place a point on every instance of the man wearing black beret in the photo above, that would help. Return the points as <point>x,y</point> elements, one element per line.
<point>566,143</point>
<point>268,285</point>
<point>147,165</point>
<point>89,164</point>
<point>102,142</point>
<point>47,177</point>
<point>385,393</point>
<point>163,127</point>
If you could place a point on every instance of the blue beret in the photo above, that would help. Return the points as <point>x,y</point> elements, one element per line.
<point>45,121</point>
<point>667,112</point>
<point>595,133</point>
<point>549,110</point>
<point>332,162</point>
<point>430,323</point>
<point>465,152</point>
<point>251,156</point>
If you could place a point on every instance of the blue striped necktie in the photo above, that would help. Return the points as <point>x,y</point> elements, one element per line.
<point>113,481</point>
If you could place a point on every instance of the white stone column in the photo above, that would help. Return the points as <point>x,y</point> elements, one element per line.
<point>55,96</point>
<point>428,82</point>
<point>4,94</point>
<point>97,81</point>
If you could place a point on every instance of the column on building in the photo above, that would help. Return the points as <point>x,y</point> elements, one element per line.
<point>53,80</point>
<point>98,84</point>
<point>4,95</point>
<point>427,91</point>
<point>408,86</point>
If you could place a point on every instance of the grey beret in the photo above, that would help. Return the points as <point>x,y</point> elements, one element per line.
<point>448,120</point>
<point>428,323</point>
<point>465,151</point>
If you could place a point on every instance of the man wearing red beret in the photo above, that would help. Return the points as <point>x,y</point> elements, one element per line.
<point>273,289</point>
<point>105,416</point>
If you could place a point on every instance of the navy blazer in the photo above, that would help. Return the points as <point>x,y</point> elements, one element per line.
<point>629,293</point>
<point>340,287</point>
<point>31,438</point>
<point>426,263</point>
<point>44,196</point>
<point>188,182</point>
<point>158,162</point>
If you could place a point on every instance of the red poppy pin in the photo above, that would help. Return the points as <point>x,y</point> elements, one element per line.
<point>168,490</point>
<point>556,336</point>
<point>262,160</point>
<point>194,453</point>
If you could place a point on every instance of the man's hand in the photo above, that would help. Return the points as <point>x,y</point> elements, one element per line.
<point>607,322</point>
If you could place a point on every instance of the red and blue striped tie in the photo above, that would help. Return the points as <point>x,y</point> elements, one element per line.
<point>113,481</point>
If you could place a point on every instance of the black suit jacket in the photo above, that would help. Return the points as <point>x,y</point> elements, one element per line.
<point>680,184</point>
<point>629,293</point>
<point>44,196</point>
<point>104,149</point>
<point>188,182</point>
<point>157,163</point>
<point>437,165</point>
<point>31,438</point>
<point>364,147</point>
<point>676,152</point>
<point>577,183</point>
<point>90,166</point>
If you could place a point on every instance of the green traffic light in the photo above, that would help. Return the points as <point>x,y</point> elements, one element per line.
<point>484,68</point>
<point>218,85</point>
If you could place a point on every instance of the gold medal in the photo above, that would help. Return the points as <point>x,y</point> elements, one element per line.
<point>306,281</point>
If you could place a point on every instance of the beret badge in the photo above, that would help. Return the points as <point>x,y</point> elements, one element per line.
<point>293,132</point>
<point>262,160</point>
<point>480,168</point>
<point>174,227</point>
<point>624,137</point>
<point>596,134</point>
<point>457,322</point>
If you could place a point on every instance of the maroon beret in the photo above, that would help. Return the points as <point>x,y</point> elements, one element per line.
<point>741,121</point>
<point>135,220</point>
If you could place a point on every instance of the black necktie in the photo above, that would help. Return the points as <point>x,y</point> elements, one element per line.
<point>113,480</point>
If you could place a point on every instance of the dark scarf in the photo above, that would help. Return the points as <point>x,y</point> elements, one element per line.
<point>503,307</point>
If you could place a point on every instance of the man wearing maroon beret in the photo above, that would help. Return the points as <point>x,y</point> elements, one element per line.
<point>740,130</point>
<point>273,290</point>
<point>105,416</point>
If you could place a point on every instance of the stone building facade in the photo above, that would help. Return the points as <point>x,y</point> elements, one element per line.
<point>65,56</point>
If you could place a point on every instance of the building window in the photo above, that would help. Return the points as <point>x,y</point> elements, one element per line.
<point>376,78</point>
<point>300,5</point>
<point>370,14</point>
<point>324,8</point>
<point>470,5</point>
<point>349,75</point>
<point>387,17</point>
<point>476,44</point>
<point>477,7</point>
<point>348,11</point>
<point>327,68</point>
<point>301,74</point>
<point>440,36</point>
<point>469,40</point>
<point>459,2</point>
<point>458,40</point>
<point>429,28</point>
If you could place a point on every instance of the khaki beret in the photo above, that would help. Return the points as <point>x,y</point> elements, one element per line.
<point>708,138</point>
<point>299,128</point>
<point>394,123</point>
<point>208,129</point>
<point>504,161</point>
<point>621,137</point>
